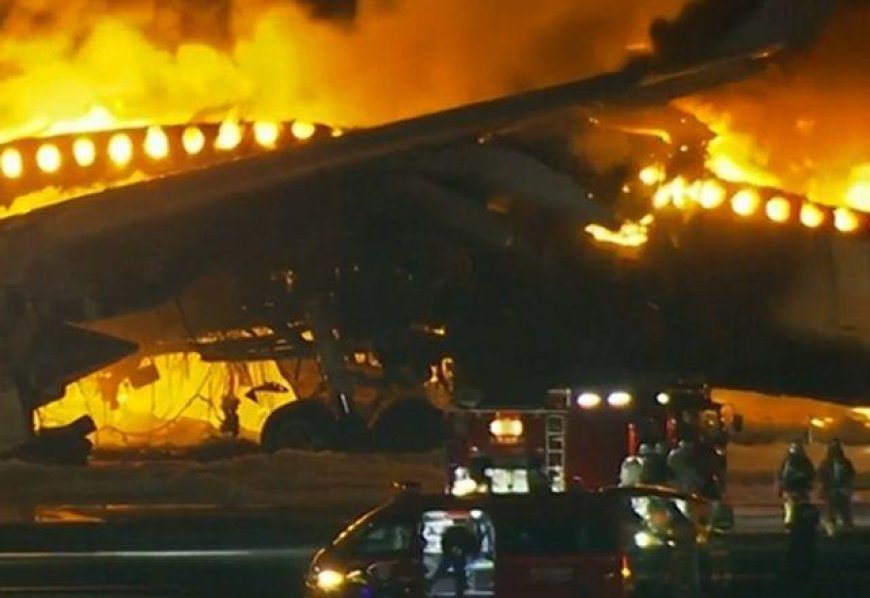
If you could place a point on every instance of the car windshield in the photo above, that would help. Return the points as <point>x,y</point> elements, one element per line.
<point>378,537</point>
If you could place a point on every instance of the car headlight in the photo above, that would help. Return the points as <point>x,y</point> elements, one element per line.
<point>329,580</point>
<point>644,539</point>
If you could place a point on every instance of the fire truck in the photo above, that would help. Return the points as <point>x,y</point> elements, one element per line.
<point>578,436</point>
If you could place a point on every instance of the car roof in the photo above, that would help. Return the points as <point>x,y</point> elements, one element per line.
<point>500,503</point>
<point>593,499</point>
<point>411,503</point>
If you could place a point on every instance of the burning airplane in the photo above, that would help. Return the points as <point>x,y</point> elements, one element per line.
<point>381,269</point>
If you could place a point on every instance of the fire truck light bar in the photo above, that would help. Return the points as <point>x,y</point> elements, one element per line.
<point>619,399</point>
<point>588,400</point>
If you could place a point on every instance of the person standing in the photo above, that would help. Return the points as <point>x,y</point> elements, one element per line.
<point>795,480</point>
<point>654,469</point>
<point>459,544</point>
<point>837,478</point>
<point>683,461</point>
<point>629,471</point>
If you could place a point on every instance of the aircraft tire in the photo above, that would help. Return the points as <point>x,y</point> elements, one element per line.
<point>306,424</point>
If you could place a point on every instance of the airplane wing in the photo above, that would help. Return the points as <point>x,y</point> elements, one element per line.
<point>138,213</point>
<point>770,29</point>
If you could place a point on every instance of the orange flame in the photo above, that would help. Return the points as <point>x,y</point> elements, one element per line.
<point>803,129</point>
<point>182,407</point>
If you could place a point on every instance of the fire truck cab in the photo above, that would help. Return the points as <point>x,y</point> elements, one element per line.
<point>578,436</point>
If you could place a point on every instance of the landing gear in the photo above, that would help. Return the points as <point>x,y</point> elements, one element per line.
<point>306,424</point>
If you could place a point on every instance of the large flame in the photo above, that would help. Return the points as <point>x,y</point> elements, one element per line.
<point>142,65</point>
<point>804,127</point>
<point>90,65</point>
<point>181,408</point>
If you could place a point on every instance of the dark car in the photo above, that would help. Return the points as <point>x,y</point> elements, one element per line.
<point>515,545</point>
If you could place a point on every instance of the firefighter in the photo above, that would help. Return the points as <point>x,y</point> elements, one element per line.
<point>795,480</point>
<point>661,448</point>
<point>230,425</point>
<point>695,467</point>
<point>836,476</point>
<point>654,467</point>
<point>459,544</point>
<point>683,461</point>
<point>629,471</point>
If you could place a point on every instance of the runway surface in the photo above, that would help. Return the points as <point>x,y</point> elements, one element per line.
<point>199,550</point>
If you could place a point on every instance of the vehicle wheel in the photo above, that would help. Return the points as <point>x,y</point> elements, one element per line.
<point>306,424</point>
<point>411,425</point>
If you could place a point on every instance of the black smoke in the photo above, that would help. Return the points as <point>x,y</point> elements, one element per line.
<point>692,36</point>
<point>342,10</point>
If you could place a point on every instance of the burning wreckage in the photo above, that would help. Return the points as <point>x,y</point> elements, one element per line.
<point>218,270</point>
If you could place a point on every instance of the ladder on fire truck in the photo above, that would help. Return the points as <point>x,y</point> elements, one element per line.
<point>554,450</point>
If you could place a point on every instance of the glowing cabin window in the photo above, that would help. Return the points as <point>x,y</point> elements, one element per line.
<point>229,136</point>
<point>267,134</point>
<point>778,209</point>
<point>84,152</point>
<point>745,202</point>
<point>303,130</point>
<point>11,163</point>
<point>846,221</point>
<point>193,140</point>
<point>48,158</point>
<point>812,216</point>
<point>156,143</point>
<point>120,149</point>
